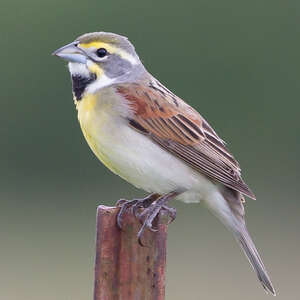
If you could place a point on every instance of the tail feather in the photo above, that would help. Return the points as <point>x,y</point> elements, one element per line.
<point>250,250</point>
<point>228,207</point>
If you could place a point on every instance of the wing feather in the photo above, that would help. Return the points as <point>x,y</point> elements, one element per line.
<point>180,130</point>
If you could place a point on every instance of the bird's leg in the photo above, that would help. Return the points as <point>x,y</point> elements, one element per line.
<point>134,204</point>
<point>149,213</point>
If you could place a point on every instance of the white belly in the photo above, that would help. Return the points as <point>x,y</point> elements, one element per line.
<point>146,165</point>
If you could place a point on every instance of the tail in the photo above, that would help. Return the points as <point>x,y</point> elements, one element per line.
<point>249,248</point>
<point>228,207</point>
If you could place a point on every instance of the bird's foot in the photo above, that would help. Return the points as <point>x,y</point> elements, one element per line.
<point>149,214</point>
<point>151,206</point>
<point>134,205</point>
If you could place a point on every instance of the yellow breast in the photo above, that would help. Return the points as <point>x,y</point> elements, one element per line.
<point>94,119</point>
<point>86,104</point>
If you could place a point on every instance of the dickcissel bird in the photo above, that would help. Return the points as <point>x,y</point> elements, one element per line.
<point>150,137</point>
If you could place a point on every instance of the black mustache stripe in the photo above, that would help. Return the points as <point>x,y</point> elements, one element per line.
<point>79,83</point>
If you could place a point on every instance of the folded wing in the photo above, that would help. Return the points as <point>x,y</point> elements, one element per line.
<point>179,129</point>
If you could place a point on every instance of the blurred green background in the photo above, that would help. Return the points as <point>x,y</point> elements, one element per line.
<point>237,62</point>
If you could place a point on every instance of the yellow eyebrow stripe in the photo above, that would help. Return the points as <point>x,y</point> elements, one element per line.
<point>96,45</point>
<point>111,49</point>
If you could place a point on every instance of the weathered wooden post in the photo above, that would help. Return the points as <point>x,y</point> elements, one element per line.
<point>124,270</point>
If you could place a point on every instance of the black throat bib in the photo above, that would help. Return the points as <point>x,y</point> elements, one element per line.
<point>79,84</point>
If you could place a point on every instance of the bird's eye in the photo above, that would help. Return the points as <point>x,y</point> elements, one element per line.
<point>101,52</point>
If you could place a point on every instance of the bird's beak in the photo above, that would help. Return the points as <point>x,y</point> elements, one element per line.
<point>71,53</point>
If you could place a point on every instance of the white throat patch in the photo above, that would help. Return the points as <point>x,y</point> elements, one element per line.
<point>100,83</point>
<point>82,70</point>
<point>78,69</point>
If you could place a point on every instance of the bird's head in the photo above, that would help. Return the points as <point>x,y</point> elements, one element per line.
<point>100,59</point>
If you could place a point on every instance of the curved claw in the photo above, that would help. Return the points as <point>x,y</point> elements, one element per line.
<point>140,234</point>
<point>140,241</point>
<point>172,213</point>
<point>150,214</point>
<point>152,229</point>
<point>120,215</point>
<point>123,204</point>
